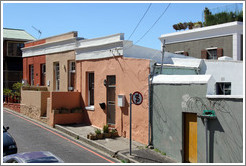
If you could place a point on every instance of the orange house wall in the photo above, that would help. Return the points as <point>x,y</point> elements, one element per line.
<point>36,61</point>
<point>131,75</point>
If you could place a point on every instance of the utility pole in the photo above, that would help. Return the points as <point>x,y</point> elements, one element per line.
<point>162,58</point>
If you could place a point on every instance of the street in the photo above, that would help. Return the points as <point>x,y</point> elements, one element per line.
<point>32,136</point>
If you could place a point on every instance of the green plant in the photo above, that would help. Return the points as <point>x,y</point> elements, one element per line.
<point>105,128</point>
<point>123,161</point>
<point>221,17</point>
<point>113,130</point>
<point>98,131</point>
<point>7,91</point>
<point>17,86</point>
<point>158,151</point>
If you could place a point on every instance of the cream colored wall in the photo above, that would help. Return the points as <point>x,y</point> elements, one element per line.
<point>63,59</point>
<point>61,37</point>
<point>32,98</point>
<point>131,75</point>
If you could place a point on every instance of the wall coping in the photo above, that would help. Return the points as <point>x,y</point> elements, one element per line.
<point>225,96</point>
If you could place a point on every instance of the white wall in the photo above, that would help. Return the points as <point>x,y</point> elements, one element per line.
<point>225,71</point>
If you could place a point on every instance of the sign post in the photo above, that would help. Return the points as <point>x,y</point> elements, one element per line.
<point>130,124</point>
<point>137,99</point>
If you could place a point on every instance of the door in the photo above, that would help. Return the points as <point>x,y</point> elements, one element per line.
<point>190,137</point>
<point>43,71</point>
<point>111,85</point>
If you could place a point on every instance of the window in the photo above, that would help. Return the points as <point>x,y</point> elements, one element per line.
<point>71,76</point>
<point>14,49</point>
<point>90,78</point>
<point>31,75</point>
<point>223,88</point>
<point>182,53</point>
<point>57,76</point>
<point>43,74</point>
<point>212,54</point>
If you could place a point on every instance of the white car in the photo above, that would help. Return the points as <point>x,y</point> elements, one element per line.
<point>32,157</point>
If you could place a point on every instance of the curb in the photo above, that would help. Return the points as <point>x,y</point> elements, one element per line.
<point>112,153</point>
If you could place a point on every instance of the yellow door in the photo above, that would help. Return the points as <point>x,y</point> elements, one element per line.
<point>190,137</point>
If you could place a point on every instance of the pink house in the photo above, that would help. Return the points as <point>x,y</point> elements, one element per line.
<point>107,70</point>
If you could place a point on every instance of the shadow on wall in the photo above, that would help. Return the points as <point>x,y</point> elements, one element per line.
<point>85,113</point>
<point>124,112</point>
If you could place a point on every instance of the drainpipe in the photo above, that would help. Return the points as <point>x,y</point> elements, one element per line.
<point>150,79</point>
<point>162,58</point>
<point>206,132</point>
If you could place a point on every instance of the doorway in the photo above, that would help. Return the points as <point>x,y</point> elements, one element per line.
<point>111,85</point>
<point>190,137</point>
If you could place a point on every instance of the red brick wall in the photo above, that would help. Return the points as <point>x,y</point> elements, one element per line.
<point>36,61</point>
<point>35,43</point>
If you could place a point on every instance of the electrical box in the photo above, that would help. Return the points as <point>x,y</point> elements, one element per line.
<point>209,113</point>
<point>121,100</point>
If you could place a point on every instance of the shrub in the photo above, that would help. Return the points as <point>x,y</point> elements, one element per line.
<point>98,131</point>
<point>105,129</point>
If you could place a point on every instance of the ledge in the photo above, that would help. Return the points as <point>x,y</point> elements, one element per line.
<point>225,96</point>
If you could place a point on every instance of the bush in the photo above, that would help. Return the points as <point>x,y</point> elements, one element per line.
<point>222,17</point>
<point>105,129</point>
<point>17,88</point>
<point>98,131</point>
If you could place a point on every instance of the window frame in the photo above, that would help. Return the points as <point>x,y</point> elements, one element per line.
<point>31,74</point>
<point>14,42</point>
<point>209,54</point>
<point>224,89</point>
<point>72,70</point>
<point>43,72</point>
<point>90,91</point>
<point>57,75</point>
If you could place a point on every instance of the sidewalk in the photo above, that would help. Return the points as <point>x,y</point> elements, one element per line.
<point>117,147</point>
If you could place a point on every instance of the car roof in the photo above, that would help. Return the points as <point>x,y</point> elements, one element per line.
<point>36,157</point>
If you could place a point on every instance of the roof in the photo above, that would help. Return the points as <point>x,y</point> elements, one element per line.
<point>203,33</point>
<point>17,34</point>
<point>181,79</point>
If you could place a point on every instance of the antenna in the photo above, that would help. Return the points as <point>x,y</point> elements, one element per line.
<point>38,31</point>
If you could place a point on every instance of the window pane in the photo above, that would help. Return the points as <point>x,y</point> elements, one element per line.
<point>212,54</point>
<point>111,80</point>
<point>91,89</point>
<point>14,49</point>
<point>223,88</point>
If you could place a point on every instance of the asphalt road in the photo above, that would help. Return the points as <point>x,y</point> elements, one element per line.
<point>32,136</point>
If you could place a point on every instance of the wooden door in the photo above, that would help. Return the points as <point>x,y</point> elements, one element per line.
<point>111,85</point>
<point>190,137</point>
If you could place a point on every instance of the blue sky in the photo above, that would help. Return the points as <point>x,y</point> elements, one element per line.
<point>93,20</point>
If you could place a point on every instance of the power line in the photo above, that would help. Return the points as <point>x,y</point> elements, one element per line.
<point>154,23</point>
<point>140,21</point>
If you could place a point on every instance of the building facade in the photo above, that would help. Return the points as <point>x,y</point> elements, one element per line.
<point>13,41</point>
<point>210,42</point>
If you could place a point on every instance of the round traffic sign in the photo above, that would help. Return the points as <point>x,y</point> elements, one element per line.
<point>137,98</point>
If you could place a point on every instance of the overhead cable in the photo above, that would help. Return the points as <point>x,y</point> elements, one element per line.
<point>154,23</point>
<point>140,21</point>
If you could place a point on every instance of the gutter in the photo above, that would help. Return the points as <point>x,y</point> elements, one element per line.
<point>150,80</point>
